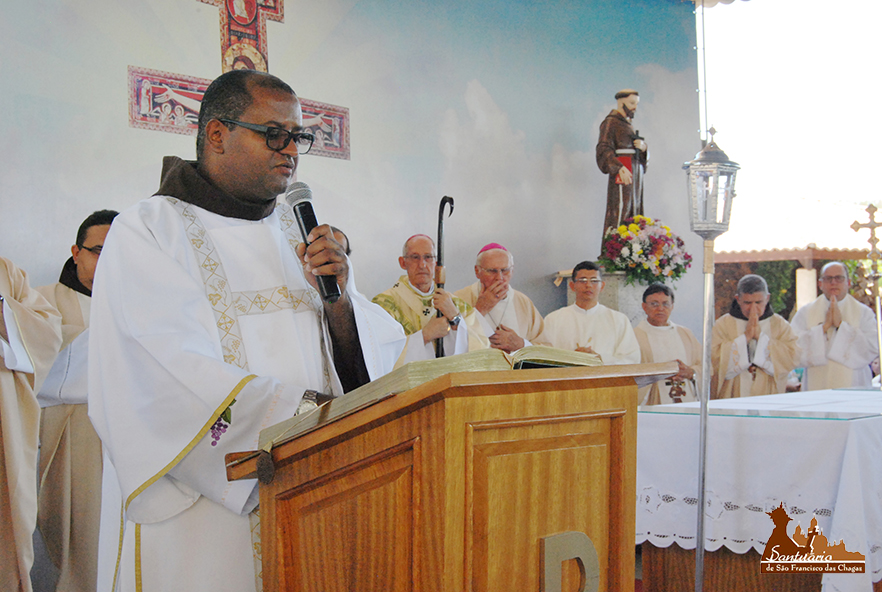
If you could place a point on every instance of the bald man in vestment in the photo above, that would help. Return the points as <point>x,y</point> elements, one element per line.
<point>837,335</point>
<point>414,301</point>
<point>508,317</point>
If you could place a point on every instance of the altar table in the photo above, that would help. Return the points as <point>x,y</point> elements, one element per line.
<point>818,452</point>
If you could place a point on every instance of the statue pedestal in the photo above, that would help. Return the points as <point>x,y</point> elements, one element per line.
<point>627,299</point>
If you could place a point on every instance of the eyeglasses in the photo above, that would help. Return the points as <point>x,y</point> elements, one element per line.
<point>503,271</point>
<point>656,304</point>
<point>96,250</point>
<point>278,138</point>
<point>592,281</point>
<point>833,279</point>
<point>418,258</point>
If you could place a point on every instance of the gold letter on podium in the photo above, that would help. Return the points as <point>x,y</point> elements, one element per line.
<point>557,548</point>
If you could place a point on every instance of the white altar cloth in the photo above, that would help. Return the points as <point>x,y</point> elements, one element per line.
<point>818,452</point>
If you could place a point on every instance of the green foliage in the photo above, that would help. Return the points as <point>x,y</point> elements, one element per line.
<point>852,266</point>
<point>781,277</point>
<point>227,415</point>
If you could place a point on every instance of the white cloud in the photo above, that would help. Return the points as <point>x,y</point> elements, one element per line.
<point>510,187</point>
<point>484,157</point>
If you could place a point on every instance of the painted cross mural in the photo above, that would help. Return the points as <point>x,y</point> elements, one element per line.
<point>243,31</point>
<point>164,101</point>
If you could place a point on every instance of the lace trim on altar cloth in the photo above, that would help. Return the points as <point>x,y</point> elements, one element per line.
<point>653,501</point>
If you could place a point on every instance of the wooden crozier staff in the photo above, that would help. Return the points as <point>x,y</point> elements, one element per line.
<point>439,263</point>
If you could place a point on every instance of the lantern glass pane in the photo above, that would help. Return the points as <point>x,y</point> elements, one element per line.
<point>723,184</point>
<point>703,195</point>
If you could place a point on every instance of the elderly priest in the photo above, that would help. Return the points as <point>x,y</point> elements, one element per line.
<point>837,335</point>
<point>508,317</point>
<point>414,301</point>
<point>752,348</point>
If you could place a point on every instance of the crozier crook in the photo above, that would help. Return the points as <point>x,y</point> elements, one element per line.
<point>439,267</point>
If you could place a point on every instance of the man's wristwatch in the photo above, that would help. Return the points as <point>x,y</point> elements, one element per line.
<point>455,321</point>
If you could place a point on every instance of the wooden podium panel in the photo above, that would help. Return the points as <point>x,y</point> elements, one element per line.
<point>336,524</point>
<point>534,477</point>
<point>451,486</point>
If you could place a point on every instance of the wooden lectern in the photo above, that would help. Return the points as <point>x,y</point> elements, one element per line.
<point>452,485</point>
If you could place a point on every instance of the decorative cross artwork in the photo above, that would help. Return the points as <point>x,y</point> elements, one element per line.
<point>243,31</point>
<point>165,102</point>
<point>168,102</point>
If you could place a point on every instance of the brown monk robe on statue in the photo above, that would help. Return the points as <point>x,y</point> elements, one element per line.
<point>622,155</point>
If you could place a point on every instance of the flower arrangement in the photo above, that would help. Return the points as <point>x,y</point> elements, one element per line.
<point>646,250</point>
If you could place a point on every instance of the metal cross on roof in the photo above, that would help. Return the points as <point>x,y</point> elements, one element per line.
<point>874,254</point>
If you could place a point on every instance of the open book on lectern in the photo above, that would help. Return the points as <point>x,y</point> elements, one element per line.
<point>416,373</point>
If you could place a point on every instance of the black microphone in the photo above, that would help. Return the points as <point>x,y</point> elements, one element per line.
<point>299,197</point>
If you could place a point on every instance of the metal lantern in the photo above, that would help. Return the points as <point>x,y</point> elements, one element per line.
<point>711,189</point>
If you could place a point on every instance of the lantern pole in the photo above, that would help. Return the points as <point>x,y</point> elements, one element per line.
<point>704,398</point>
<point>711,189</point>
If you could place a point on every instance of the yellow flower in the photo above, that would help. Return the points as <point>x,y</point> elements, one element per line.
<point>623,230</point>
<point>634,228</point>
